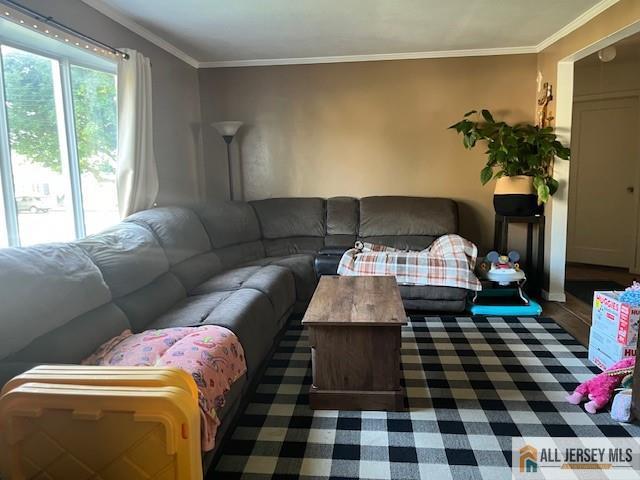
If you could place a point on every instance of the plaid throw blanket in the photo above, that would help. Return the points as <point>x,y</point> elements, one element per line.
<point>447,262</point>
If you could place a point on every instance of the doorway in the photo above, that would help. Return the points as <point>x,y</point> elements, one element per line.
<point>604,186</point>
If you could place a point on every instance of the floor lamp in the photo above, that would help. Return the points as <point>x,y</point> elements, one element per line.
<point>228,130</point>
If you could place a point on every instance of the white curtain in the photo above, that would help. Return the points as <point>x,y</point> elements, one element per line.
<point>136,171</point>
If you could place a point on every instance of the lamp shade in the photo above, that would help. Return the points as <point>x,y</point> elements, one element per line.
<point>228,128</point>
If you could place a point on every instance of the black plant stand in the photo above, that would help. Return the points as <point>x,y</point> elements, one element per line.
<point>534,272</point>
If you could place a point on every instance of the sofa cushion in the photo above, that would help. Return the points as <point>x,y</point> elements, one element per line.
<point>233,255</point>
<point>190,311</point>
<point>228,280</point>
<point>402,242</point>
<point>42,288</point>
<point>340,241</point>
<point>280,247</point>
<point>301,266</point>
<point>229,223</point>
<point>195,270</point>
<point>342,216</point>
<point>178,230</point>
<point>147,303</point>
<point>77,339</point>
<point>276,282</point>
<point>290,217</point>
<point>128,256</point>
<point>246,312</point>
<point>391,216</point>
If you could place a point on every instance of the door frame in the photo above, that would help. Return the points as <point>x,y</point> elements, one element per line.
<point>558,206</point>
<point>617,95</point>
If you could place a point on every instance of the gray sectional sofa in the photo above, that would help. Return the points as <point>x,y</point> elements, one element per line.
<point>244,266</point>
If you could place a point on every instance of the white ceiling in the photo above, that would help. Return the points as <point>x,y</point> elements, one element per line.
<point>209,33</point>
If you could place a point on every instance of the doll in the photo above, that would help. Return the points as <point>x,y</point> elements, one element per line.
<point>600,388</point>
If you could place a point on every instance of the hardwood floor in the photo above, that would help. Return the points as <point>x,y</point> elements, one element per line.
<point>575,315</point>
<point>579,271</point>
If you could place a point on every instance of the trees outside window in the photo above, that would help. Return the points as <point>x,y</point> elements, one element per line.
<point>62,137</point>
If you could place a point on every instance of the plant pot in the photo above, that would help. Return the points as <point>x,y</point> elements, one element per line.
<point>516,197</point>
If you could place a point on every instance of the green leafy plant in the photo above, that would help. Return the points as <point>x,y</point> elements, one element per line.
<point>520,149</point>
<point>31,112</point>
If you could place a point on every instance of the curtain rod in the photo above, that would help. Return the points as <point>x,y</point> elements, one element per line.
<point>60,26</point>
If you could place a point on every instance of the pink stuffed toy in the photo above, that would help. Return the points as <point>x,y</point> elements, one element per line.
<point>600,388</point>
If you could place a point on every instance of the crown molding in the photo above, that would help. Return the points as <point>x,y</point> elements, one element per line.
<point>476,52</point>
<point>593,12</point>
<point>141,31</point>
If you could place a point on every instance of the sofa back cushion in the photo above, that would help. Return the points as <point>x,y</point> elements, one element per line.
<point>233,231</point>
<point>43,288</point>
<point>178,230</point>
<point>77,339</point>
<point>229,223</point>
<point>185,242</point>
<point>128,256</point>
<point>291,225</point>
<point>406,222</point>
<point>290,217</point>
<point>342,221</point>
<point>136,270</point>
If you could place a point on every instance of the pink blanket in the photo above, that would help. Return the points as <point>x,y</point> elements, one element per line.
<point>211,354</point>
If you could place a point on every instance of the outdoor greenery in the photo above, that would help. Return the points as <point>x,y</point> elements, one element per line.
<point>521,149</point>
<point>31,112</point>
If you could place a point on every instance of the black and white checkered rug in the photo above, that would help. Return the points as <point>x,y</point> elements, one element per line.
<point>471,384</point>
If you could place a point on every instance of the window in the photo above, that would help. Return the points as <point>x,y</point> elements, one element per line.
<point>58,130</point>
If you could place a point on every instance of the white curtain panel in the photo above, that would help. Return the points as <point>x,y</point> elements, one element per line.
<point>136,171</point>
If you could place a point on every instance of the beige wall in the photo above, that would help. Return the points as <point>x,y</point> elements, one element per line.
<point>176,102</point>
<point>371,128</point>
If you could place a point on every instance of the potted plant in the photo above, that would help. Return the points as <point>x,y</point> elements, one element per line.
<point>519,157</point>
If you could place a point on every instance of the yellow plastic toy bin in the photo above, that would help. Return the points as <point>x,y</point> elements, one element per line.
<point>74,422</point>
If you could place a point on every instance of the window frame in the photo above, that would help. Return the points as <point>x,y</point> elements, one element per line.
<point>68,147</point>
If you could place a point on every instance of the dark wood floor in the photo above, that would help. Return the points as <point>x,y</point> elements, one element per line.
<point>575,315</point>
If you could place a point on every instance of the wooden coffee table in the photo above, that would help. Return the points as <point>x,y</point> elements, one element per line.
<point>354,331</point>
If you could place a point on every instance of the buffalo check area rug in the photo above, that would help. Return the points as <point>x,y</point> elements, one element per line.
<point>471,383</point>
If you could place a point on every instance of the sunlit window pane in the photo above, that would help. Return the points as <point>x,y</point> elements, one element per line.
<point>95,113</point>
<point>36,127</point>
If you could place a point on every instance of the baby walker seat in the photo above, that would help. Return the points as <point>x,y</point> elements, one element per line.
<point>502,292</point>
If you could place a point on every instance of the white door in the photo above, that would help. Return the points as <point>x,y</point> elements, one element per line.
<point>603,186</point>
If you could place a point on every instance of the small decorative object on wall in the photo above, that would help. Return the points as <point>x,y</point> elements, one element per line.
<point>544,116</point>
<point>228,130</point>
<point>520,158</point>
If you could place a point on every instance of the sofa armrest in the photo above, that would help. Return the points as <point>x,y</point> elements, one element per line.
<point>327,260</point>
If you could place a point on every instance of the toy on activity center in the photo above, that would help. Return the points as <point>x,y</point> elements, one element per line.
<point>504,295</point>
<point>503,269</point>
<point>600,388</point>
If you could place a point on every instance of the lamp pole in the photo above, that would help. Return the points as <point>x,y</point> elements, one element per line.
<point>228,130</point>
<point>228,139</point>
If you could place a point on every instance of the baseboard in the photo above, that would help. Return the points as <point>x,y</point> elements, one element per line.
<point>554,297</point>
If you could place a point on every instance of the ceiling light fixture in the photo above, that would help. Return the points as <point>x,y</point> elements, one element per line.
<point>607,54</point>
